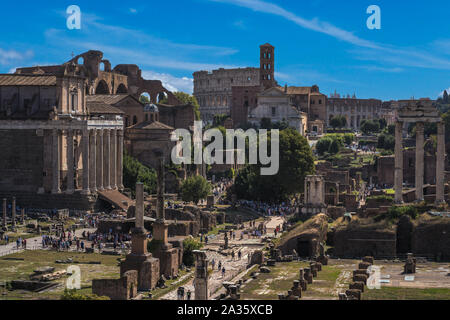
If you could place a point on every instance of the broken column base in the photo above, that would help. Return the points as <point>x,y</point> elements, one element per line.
<point>147,268</point>
<point>124,288</point>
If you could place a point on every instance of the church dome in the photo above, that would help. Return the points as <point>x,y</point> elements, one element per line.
<point>150,107</point>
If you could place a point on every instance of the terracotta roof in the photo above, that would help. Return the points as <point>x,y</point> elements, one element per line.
<point>102,108</point>
<point>27,80</point>
<point>297,90</point>
<point>147,125</point>
<point>106,98</point>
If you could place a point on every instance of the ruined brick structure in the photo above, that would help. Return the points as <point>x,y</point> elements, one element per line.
<point>124,288</point>
<point>124,79</point>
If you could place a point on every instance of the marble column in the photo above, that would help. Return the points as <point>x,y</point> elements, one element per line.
<point>100,163</point>
<point>93,161</point>
<point>56,188</point>
<point>5,208</point>
<point>440,159</point>
<point>23,215</point>
<point>107,159</point>
<point>113,159</point>
<point>13,212</point>
<point>120,160</point>
<point>85,155</point>
<point>70,163</point>
<point>398,175</point>
<point>419,160</point>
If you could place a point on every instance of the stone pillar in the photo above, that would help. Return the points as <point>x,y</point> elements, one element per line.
<point>13,213</point>
<point>306,191</point>
<point>85,155</point>
<point>440,158</point>
<point>5,208</point>
<point>419,161</point>
<point>93,161</point>
<point>160,214</point>
<point>107,159</point>
<point>100,163</point>
<point>201,276</point>
<point>120,160</point>
<point>139,216</point>
<point>398,162</point>
<point>55,162</point>
<point>23,215</point>
<point>336,196</point>
<point>113,159</point>
<point>70,163</point>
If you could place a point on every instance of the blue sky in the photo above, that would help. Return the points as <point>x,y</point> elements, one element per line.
<point>323,42</point>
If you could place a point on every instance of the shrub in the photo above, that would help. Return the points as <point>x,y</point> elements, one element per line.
<point>397,212</point>
<point>189,246</point>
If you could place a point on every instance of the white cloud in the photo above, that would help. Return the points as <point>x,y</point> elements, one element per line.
<point>380,69</point>
<point>314,24</point>
<point>133,10</point>
<point>171,82</point>
<point>366,50</point>
<point>10,56</point>
<point>240,24</point>
<point>136,55</point>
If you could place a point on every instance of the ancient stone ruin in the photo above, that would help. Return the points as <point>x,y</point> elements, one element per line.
<point>201,275</point>
<point>139,259</point>
<point>124,288</point>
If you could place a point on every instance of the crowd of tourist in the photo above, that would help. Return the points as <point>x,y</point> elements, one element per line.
<point>266,209</point>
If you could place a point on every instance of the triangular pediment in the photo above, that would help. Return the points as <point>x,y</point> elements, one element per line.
<point>272,92</point>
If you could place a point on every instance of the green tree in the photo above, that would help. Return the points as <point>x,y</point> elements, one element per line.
<point>266,123</point>
<point>219,119</point>
<point>144,99</point>
<point>338,122</point>
<point>335,147</point>
<point>195,189</point>
<point>134,171</point>
<point>189,246</point>
<point>186,98</point>
<point>370,126</point>
<point>323,145</point>
<point>296,161</point>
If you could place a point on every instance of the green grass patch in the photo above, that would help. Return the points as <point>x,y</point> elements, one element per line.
<point>395,293</point>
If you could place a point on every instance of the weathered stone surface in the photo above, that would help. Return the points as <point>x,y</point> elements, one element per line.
<point>357,286</point>
<point>124,288</point>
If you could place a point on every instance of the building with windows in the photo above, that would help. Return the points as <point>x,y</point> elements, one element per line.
<point>354,110</point>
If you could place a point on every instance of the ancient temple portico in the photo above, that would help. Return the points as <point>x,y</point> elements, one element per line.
<point>314,195</point>
<point>70,141</point>
<point>419,112</point>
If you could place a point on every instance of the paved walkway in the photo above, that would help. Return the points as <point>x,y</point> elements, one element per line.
<point>233,268</point>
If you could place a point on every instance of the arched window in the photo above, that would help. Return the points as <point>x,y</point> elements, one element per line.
<point>102,88</point>
<point>145,98</point>
<point>121,89</point>
<point>134,120</point>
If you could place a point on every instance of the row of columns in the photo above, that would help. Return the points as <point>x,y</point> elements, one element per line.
<point>102,158</point>
<point>419,169</point>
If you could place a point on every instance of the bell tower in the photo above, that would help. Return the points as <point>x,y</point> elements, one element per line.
<point>267,65</point>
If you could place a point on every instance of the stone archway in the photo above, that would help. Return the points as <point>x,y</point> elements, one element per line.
<point>102,88</point>
<point>121,89</point>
